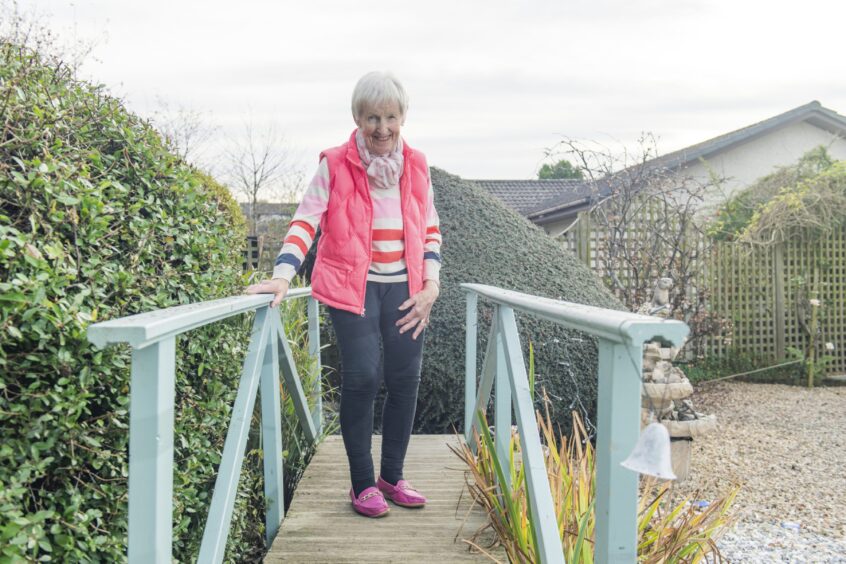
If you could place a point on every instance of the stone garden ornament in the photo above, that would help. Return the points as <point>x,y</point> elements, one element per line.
<point>664,392</point>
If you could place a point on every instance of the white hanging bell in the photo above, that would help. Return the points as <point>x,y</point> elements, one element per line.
<point>651,454</point>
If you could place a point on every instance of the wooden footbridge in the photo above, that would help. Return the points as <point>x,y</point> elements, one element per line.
<point>320,525</point>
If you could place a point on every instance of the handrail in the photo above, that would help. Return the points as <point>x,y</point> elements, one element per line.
<point>152,336</point>
<point>610,324</point>
<point>620,337</point>
<point>149,327</point>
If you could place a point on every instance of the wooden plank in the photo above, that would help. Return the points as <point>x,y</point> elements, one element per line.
<point>143,329</point>
<point>321,526</point>
<point>716,295</point>
<point>778,298</point>
<point>293,383</point>
<point>839,338</point>
<point>485,383</point>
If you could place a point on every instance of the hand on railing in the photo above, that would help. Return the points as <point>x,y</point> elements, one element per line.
<point>277,286</point>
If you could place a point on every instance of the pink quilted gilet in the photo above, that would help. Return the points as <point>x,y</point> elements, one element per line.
<point>339,277</point>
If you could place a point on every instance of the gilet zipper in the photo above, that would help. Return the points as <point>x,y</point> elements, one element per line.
<point>369,239</point>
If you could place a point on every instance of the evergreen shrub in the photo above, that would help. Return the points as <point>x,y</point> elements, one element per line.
<point>485,242</point>
<point>98,220</point>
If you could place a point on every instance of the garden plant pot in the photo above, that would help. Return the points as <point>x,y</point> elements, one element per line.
<point>680,453</point>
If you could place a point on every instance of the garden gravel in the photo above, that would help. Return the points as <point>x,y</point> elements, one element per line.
<point>786,446</point>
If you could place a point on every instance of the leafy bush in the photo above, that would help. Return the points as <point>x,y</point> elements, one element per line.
<point>98,220</point>
<point>810,193</point>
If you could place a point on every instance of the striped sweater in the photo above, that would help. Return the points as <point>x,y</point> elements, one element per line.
<point>388,248</point>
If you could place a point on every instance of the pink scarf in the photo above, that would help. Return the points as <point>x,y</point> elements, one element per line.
<point>383,171</point>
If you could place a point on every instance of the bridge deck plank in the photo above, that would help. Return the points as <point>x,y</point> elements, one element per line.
<point>321,526</point>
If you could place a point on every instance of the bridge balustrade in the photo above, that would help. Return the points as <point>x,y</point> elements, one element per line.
<point>620,337</point>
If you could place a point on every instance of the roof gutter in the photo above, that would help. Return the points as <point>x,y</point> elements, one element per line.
<point>552,214</point>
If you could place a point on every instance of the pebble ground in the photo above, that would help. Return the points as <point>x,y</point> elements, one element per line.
<point>786,446</point>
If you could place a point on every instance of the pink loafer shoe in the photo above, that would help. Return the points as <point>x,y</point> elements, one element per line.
<point>401,494</point>
<point>370,503</point>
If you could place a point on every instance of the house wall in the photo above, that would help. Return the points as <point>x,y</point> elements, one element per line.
<point>743,164</point>
<point>557,228</point>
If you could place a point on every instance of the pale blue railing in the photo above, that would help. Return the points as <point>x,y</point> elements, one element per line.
<point>620,338</point>
<point>152,337</point>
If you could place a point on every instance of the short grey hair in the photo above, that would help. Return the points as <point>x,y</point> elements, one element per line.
<point>377,87</point>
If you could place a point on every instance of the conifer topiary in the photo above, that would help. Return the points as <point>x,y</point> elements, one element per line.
<point>486,242</point>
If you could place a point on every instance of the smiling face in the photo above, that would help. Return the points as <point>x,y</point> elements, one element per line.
<point>380,125</point>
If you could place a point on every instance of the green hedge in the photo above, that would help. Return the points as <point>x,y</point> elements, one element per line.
<point>98,220</point>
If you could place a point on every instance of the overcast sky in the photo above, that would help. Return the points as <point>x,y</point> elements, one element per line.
<point>492,84</point>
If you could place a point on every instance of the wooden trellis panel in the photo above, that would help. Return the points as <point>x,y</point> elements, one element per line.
<point>761,292</point>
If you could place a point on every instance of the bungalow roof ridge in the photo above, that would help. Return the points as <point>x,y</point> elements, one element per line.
<point>813,111</point>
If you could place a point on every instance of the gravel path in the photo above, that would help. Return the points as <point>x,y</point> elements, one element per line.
<point>787,447</point>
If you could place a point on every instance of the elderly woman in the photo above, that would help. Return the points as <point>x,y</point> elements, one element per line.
<point>376,270</point>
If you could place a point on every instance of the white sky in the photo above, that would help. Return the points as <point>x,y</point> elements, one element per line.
<point>492,83</point>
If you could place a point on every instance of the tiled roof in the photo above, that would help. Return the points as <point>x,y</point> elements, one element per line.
<point>525,195</point>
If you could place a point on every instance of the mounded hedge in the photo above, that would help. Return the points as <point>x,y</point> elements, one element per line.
<point>488,243</point>
<point>98,219</point>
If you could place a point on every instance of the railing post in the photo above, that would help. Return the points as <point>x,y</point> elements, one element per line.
<point>271,435</point>
<point>314,352</point>
<point>486,382</point>
<point>502,404</point>
<point>538,491</point>
<point>617,432</point>
<point>151,408</point>
<point>213,545</point>
<point>470,340</point>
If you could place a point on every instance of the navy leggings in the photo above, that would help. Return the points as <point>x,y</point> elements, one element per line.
<point>359,342</point>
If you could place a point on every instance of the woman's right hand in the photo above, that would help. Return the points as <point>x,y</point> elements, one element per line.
<point>277,286</point>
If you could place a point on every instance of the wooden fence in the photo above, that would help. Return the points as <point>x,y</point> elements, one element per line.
<point>762,293</point>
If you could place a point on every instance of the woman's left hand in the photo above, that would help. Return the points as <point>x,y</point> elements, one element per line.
<point>421,304</point>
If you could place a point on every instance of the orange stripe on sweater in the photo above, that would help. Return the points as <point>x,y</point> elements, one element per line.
<point>387,234</point>
<point>308,228</point>
<point>386,256</point>
<point>298,242</point>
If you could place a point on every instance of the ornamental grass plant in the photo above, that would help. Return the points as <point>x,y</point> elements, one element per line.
<point>669,530</point>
